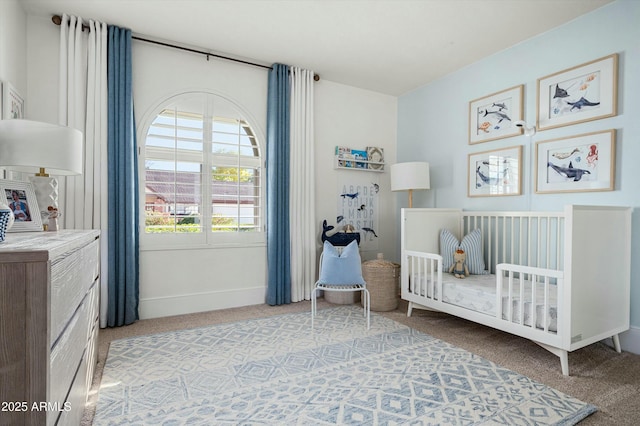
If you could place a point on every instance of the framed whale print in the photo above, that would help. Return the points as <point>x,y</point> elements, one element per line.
<point>582,93</point>
<point>576,164</point>
<point>495,173</point>
<point>492,116</point>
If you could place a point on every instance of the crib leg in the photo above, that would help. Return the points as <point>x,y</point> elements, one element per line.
<point>616,343</point>
<point>564,362</point>
<point>410,309</point>
<point>562,354</point>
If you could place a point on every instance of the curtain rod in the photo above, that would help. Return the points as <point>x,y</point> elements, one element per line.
<point>57,19</point>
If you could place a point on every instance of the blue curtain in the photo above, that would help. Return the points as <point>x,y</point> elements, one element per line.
<point>123,276</point>
<point>278,238</point>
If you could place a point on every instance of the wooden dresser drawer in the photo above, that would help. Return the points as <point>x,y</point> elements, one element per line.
<point>49,298</point>
<point>71,277</point>
<point>70,348</point>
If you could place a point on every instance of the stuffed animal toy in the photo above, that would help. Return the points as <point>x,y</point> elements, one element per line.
<point>459,267</point>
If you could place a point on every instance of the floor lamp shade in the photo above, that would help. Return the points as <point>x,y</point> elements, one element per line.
<point>410,176</point>
<point>41,148</point>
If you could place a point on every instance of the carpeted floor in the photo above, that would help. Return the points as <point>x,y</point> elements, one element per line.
<point>600,376</point>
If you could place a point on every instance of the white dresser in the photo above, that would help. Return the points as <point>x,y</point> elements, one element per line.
<point>49,298</point>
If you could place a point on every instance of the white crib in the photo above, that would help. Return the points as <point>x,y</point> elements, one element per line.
<point>560,279</point>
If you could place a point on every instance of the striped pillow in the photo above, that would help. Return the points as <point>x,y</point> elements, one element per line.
<point>472,246</point>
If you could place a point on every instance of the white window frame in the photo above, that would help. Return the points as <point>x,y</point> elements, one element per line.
<point>206,238</point>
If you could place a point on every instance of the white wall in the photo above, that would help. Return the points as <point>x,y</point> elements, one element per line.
<point>176,281</point>
<point>355,118</point>
<point>13,45</point>
<point>13,58</point>
<point>433,120</point>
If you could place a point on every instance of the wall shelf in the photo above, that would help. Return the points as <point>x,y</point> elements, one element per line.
<point>352,159</point>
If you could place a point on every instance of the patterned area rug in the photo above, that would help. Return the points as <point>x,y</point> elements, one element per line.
<point>278,370</point>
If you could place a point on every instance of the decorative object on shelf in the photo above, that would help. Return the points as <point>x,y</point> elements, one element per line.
<point>12,102</point>
<point>583,93</point>
<point>492,117</point>
<point>357,159</point>
<point>43,148</point>
<point>375,157</point>
<point>22,201</point>
<point>409,177</point>
<point>576,164</point>
<point>495,173</point>
<point>6,220</point>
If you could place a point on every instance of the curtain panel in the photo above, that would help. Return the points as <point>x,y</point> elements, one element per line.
<point>83,105</point>
<point>278,237</point>
<point>123,196</point>
<point>302,188</point>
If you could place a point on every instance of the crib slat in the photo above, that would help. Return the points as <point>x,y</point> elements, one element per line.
<point>521,301</point>
<point>548,242</point>
<point>534,302</point>
<point>510,298</point>
<point>547,314</point>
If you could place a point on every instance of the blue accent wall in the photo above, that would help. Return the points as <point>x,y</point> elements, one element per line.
<point>433,121</point>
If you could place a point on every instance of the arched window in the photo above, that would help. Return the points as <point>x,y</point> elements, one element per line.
<point>202,171</point>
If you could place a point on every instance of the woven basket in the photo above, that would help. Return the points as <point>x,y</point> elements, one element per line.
<point>383,283</point>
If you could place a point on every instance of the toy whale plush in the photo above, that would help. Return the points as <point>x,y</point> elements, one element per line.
<point>338,238</point>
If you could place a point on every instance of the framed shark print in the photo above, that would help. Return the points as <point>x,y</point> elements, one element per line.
<point>495,173</point>
<point>582,93</point>
<point>492,116</point>
<point>576,164</point>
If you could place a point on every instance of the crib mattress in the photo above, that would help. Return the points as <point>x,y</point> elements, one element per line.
<point>478,293</point>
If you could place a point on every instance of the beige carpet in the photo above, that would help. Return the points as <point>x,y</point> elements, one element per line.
<point>599,375</point>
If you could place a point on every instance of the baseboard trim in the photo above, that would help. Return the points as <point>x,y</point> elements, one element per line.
<point>157,307</point>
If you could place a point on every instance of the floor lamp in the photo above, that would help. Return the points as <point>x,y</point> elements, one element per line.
<point>410,176</point>
<point>41,148</point>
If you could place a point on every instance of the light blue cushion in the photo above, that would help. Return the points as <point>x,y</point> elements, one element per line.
<point>341,269</point>
<point>472,246</point>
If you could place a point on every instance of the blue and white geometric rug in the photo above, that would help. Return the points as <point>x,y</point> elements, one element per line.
<point>280,371</point>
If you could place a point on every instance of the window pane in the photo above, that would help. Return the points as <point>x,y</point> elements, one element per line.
<point>173,196</point>
<point>184,140</point>
<point>235,199</point>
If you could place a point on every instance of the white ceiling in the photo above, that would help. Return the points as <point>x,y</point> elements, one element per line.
<point>388,46</point>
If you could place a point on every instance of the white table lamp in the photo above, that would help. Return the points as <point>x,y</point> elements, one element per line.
<point>41,148</point>
<point>410,176</point>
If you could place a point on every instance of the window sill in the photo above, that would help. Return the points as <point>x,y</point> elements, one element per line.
<point>175,247</point>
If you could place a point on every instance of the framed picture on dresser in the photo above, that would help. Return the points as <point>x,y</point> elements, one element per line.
<point>21,199</point>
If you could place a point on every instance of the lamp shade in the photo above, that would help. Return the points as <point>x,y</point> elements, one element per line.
<point>28,146</point>
<point>409,176</point>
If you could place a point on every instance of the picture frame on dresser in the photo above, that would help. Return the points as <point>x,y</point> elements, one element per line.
<point>582,93</point>
<point>21,199</point>
<point>491,117</point>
